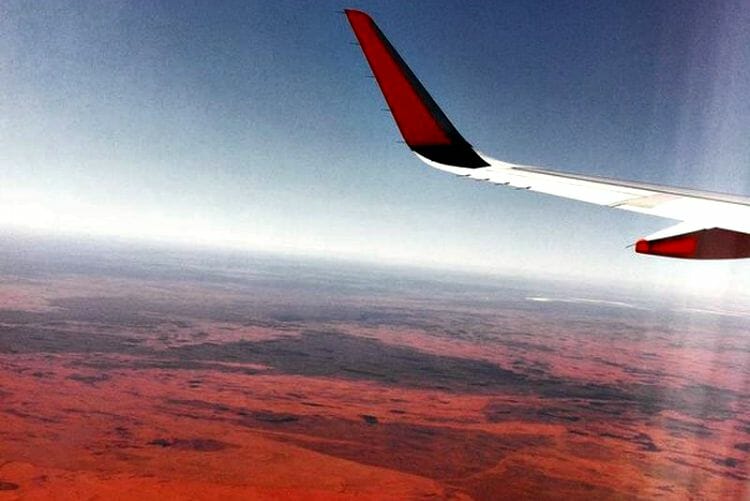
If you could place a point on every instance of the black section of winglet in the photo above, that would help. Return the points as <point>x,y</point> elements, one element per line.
<point>459,155</point>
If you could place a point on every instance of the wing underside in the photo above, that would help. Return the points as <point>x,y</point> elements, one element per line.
<point>712,225</point>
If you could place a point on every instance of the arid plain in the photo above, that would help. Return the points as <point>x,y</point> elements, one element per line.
<point>152,374</point>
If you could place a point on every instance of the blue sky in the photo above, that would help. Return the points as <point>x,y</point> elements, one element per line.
<point>253,124</point>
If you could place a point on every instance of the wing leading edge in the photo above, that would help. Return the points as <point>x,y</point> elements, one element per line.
<point>714,226</point>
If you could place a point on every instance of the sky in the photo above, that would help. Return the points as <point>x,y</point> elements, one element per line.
<point>255,125</point>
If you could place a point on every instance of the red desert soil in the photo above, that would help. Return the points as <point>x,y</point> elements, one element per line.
<point>123,388</point>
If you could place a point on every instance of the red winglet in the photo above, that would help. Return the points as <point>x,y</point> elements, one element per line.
<point>423,125</point>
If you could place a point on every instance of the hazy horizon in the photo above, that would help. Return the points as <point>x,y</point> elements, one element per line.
<point>252,126</point>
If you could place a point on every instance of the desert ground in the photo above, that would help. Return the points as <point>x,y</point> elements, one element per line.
<point>150,373</point>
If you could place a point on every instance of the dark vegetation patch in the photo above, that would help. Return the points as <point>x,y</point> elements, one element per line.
<point>498,412</point>
<point>30,339</point>
<point>29,415</point>
<point>681,428</point>
<point>9,316</point>
<point>367,418</point>
<point>630,369</point>
<point>335,354</point>
<point>728,462</point>
<point>433,451</point>
<point>702,401</point>
<point>436,452</point>
<point>558,414</point>
<point>628,402</point>
<point>642,440</point>
<point>128,311</point>
<point>272,417</point>
<point>520,481</point>
<point>591,450</point>
<point>744,446</point>
<point>560,411</point>
<point>155,362</point>
<point>579,432</point>
<point>527,347</point>
<point>532,368</point>
<point>313,404</point>
<point>192,444</point>
<point>226,412</point>
<point>8,486</point>
<point>89,379</point>
<point>122,432</point>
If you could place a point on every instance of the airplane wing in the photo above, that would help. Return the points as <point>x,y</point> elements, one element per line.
<point>711,225</point>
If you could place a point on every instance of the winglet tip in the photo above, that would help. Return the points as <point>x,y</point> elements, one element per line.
<point>357,13</point>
